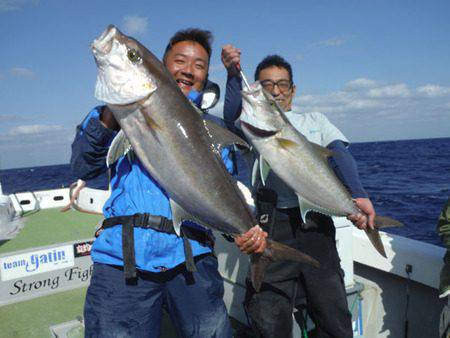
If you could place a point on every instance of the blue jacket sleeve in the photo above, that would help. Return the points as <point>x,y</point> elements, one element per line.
<point>344,166</point>
<point>90,147</point>
<point>233,102</point>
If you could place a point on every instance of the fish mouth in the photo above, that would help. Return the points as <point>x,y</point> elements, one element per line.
<point>253,91</point>
<point>257,131</point>
<point>103,44</point>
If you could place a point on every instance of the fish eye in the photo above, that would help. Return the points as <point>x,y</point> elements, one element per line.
<point>133,55</point>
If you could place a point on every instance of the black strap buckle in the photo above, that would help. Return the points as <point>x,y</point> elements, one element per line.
<point>145,219</point>
<point>166,224</point>
<point>139,219</point>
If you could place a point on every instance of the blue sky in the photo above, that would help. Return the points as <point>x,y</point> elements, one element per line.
<point>378,69</point>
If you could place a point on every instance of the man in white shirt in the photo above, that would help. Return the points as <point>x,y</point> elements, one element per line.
<point>271,309</point>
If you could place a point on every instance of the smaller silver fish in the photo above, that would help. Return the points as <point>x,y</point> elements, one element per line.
<point>302,165</point>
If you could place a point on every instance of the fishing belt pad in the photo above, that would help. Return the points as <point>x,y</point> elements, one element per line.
<point>266,202</point>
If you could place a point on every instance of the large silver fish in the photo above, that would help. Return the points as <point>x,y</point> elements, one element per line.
<point>301,164</point>
<point>177,147</point>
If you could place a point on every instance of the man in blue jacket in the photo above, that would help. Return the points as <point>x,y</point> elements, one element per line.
<point>285,283</point>
<point>183,281</point>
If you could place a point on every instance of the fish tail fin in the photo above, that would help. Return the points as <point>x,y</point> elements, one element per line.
<point>374,235</point>
<point>278,251</point>
<point>375,239</point>
<point>258,266</point>
<point>275,251</point>
<point>386,222</point>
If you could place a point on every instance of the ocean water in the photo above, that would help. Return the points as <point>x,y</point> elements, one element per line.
<point>407,180</point>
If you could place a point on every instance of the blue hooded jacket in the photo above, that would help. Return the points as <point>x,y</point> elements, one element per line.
<point>133,190</point>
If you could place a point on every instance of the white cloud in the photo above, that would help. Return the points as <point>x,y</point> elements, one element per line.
<point>433,90</point>
<point>314,47</point>
<point>361,83</point>
<point>390,91</point>
<point>34,129</point>
<point>135,24</point>
<point>13,5</point>
<point>24,117</point>
<point>22,72</point>
<point>35,144</point>
<point>9,117</point>
<point>336,102</point>
<point>368,110</point>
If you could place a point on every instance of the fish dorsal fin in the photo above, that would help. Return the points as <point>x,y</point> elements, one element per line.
<point>325,153</point>
<point>222,137</point>
<point>120,146</point>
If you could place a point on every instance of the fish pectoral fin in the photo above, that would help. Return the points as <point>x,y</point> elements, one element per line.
<point>151,123</point>
<point>386,222</point>
<point>324,152</point>
<point>286,143</point>
<point>120,146</point>
<point>222,137</point>
<point>150,86</point>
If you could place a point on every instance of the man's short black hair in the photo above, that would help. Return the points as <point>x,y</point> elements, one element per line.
<point>201,36</point>
<point>271,61</point>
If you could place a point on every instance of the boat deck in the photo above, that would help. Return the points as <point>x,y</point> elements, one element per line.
<point>60,310</point>
<point>34,317</point>
<point>42,311</point>
<point>50,226</point>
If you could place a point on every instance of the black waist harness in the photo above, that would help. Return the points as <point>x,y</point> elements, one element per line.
<point>158,223</point>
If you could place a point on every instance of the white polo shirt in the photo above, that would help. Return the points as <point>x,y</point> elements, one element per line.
<point>316,127</point>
